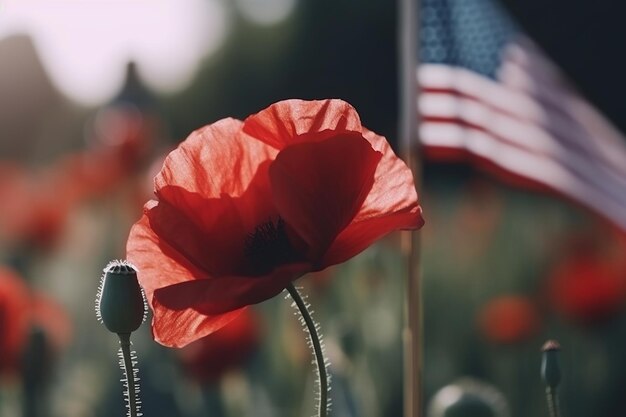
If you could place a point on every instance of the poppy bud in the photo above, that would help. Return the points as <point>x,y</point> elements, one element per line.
<point>550,371</point>
<point>120,304</point>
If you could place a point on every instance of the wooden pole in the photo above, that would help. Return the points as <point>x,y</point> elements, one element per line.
<point>408,17</point>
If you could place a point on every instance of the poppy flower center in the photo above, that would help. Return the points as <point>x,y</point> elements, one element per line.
<point>268,247</point>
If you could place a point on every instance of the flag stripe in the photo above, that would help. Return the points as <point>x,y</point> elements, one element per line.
<point>471,110</point>
<point>529,122</point>
<point>567,109</point>
<point>520,162</point>
<point>606,142</point>
<point>517,133</point>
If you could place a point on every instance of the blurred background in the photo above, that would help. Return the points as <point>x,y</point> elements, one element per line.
<point>94,94</point>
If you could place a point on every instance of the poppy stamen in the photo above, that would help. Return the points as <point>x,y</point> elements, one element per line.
<point>268,247</point>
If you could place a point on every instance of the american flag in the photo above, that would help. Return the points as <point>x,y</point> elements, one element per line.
<point>490,95</point>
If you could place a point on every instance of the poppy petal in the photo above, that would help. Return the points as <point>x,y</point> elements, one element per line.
<point>212,232</point>
<point>178,328</point>
<point>393,188</point>
<point>358,236</point>
<point>204,163</point>
<point>189,310</point>
<point>213,240</point>
<point>158,263</point>
<point>206,209</point>
<point>318,187</point>
<point>219,295</point>
<point>287,122</point>
<point>391,204</point>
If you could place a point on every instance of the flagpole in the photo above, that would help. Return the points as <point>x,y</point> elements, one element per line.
<point>408,18</point>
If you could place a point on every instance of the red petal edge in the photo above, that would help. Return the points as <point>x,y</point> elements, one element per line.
<point>176,329</point>
<point>205,161</point>
<point>391,204</point>
<point>284,123</point>
<point>190,310</point>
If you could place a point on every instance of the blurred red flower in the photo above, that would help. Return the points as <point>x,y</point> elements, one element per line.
<point>125,132</point>
<point>120,140</point>
<point>508,319</point>
<point>89,174</point>
<point>51,317</point>
<point>45,218</point>
<point>20,310</point>
<point>244,208</point>
<point>208,358</point>
<point>14,320</point>
<point>587,288</point>
<point>15,194</point>
<point>34,207</point>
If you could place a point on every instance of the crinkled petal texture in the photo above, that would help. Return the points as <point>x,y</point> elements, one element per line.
<point>244,208</point>
<point>290,121</point>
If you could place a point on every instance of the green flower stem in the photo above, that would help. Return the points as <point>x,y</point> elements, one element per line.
<point>553,402</point>
<point>311,327</point>
<point>129,371</point>
<point>551,375</point>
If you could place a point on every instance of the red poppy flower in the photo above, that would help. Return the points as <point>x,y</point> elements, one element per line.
<point>208,358</point>
<point>244,208</point>
<point>508,319</point>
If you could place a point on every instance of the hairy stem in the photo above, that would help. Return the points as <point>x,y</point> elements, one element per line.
<point>318,350</point>
<point>129,371</point>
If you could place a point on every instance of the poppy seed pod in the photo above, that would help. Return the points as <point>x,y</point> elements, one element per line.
<point>550,371</point>
<point>121,303</point>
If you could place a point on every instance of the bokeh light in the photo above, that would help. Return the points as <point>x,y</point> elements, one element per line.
<point>266,12</point>
<point>85,46</point>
